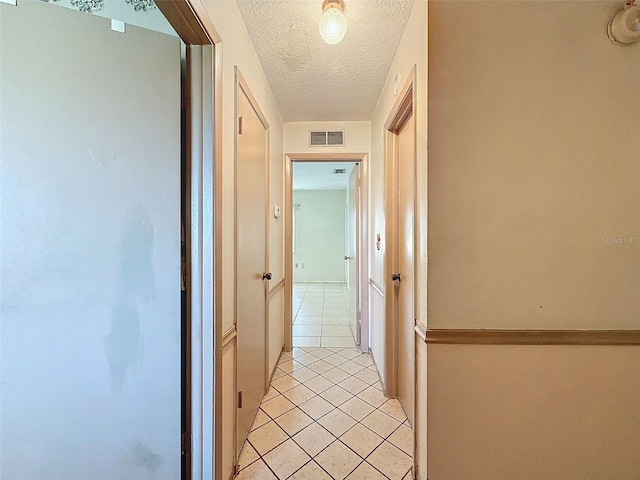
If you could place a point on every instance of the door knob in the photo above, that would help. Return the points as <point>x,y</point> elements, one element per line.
<point>266,276</point>
<point>396,277</point>
<point>347,258</point>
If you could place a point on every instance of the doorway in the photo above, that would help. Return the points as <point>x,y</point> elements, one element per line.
<point>201,212</point>
<point>400,210</point>
<point>325,252</point>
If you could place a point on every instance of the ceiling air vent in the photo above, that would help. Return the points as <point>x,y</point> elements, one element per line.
<point>324,138</point>
<point>339,171</point>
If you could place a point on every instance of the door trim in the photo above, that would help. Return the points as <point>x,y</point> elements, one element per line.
<point>363,159</point>
<point>193,25</point>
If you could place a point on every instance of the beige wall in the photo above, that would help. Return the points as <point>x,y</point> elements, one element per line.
<point>533,412</point>
<point>412,52</point>
<point>532,167</point>
<point>237,49</point>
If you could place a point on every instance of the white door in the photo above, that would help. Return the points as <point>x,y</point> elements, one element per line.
<point>251,171</point>
<point>352,257</point>
<point>90,248</point>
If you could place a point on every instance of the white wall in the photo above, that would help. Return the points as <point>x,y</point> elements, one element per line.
<point>533,166</point>
<point>412,52</point>
<point>356,137</point>
<point>320,236</point>
<point>237,49</point>
<point>90,248</point>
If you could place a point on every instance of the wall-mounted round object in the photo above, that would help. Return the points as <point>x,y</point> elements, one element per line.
<point>624,28</point>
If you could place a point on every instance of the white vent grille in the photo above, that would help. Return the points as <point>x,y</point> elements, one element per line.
<point>324,138</point>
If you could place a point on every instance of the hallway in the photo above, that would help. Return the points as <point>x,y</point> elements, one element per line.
<point>325,417</point>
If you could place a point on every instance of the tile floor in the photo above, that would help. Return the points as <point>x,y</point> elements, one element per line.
<point>321,316</point>
<point>325,417</point>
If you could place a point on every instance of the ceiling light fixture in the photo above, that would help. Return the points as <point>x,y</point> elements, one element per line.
<point>333,23</point>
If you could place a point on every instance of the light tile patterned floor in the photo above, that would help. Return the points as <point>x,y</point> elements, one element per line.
<point>321,315</point>
<point>325,417</point>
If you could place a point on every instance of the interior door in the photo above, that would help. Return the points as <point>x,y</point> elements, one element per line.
<point>353,257</point>
<point>405,261</point>
<point>251,193</point>
<point>90,264</point>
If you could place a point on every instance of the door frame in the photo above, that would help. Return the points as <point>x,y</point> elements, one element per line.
<point>203,231</point>
<point>357,331</point>
<point>402,108</point>
<point>363,159</point>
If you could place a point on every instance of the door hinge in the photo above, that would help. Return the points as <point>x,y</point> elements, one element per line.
<point>186,442</point>
<point>359,315</point>
<point>240,125</point>
<point>357,182</point>
<point>240,399</point>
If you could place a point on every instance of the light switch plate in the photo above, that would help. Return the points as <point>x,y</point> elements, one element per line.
<point>276,211</point>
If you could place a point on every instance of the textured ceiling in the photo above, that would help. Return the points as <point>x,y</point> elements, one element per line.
<point>313,81</point>
<point>320,176</point>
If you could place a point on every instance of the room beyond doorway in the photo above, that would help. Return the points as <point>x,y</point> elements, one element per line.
<point>307,235</point>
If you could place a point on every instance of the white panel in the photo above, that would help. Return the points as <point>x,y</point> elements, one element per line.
<point>90,299</point>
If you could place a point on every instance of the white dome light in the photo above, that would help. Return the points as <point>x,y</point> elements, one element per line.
<point>333,23</point>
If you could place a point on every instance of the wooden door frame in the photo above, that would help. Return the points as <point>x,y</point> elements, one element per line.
<point>193,25</point>
<point>363,159</point>
<point>400,112</point>
<point>241,87</point>
<point>358,235</point>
